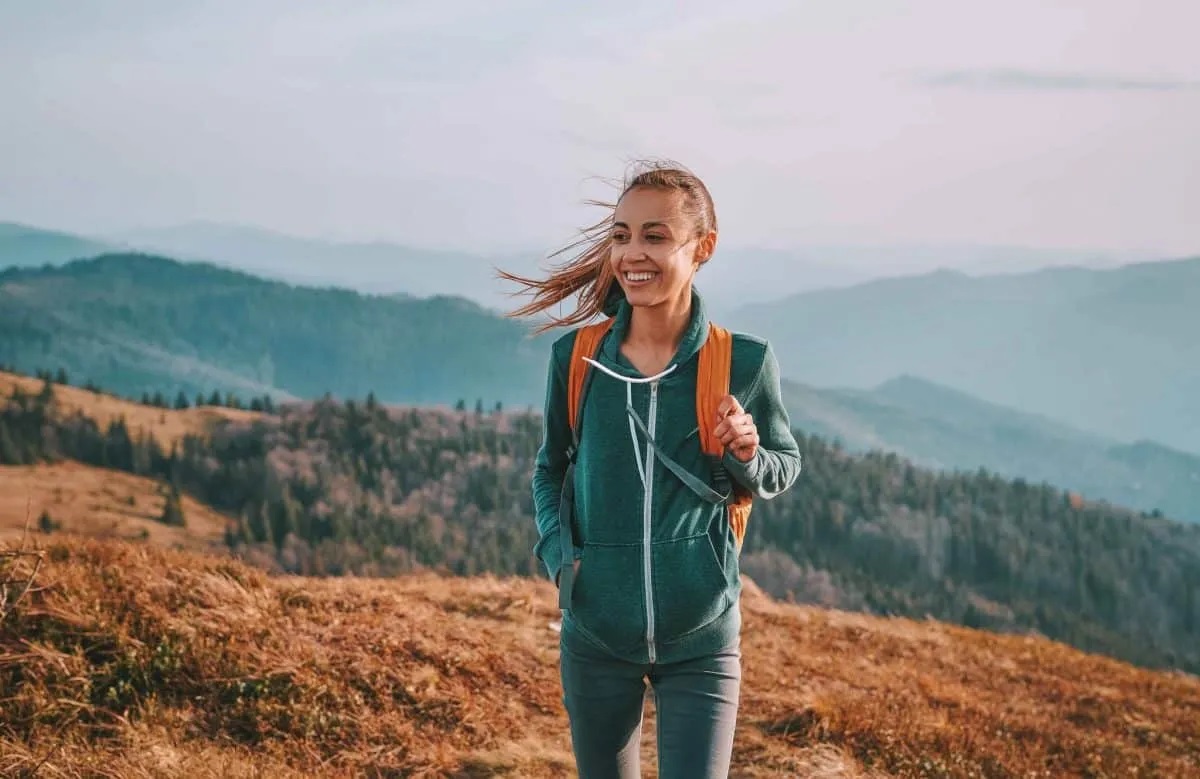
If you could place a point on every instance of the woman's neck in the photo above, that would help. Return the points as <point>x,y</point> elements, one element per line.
<point>660,328</point>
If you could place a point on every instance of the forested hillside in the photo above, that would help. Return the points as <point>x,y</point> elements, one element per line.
<point>145,326</point>
<point>332,487</point>
<point>134,324</point>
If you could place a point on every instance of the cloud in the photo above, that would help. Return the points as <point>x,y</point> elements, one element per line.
<point>1032,80</point>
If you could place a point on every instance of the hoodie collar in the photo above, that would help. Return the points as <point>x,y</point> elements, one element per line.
<point>694,335</point>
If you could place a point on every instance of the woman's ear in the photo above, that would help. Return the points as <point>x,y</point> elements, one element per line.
<point>705,247</point>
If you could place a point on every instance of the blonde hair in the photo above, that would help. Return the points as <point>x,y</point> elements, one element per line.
<point>588,274</point>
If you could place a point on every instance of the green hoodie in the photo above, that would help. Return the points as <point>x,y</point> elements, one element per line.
<point>658,580</point>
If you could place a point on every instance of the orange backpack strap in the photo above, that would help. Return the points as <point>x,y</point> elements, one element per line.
<point>587,341</point>
<point>712,384</point>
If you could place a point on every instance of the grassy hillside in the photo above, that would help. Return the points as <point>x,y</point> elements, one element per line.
<point>137,663</point>
<point>101,503</point>
<point>937,427</point>
<point>135,323</point>
<point>358,487</point>
<point>1108,351</point>
<point>165,425</point>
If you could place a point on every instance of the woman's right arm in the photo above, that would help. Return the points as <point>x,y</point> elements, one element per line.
<point>551,463</point>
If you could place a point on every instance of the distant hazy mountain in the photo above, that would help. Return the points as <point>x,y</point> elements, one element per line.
<point>375,267</point>
<point>388,268</point>
<point>737,274</point>
<point>1115,351</point>
<point>137,323</point>
<point>938,427</point>
<point>22,246</point>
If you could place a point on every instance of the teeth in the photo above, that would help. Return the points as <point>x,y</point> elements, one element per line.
<point>639,276</point>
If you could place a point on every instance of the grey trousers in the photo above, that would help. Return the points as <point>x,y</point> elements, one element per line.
<point>696,704</point>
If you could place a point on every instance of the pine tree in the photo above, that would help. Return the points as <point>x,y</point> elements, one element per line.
<point>46,524</point>
<point>215,398</point>
<point>61,377</point>
<point>9,453</point>
<point>181,401</point>
<point>46,396</point>
<point>172,513</point>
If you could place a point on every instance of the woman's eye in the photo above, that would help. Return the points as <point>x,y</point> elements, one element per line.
<point>655,238</point>
<point>620,237</point>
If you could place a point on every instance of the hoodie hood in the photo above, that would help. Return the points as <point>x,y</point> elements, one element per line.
<point>693,336</point>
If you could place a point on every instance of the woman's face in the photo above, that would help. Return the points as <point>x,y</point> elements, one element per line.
<point>655,250</point>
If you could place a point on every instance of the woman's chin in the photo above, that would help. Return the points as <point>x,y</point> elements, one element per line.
<point>642,298</point>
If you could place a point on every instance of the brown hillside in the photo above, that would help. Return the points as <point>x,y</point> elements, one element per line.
<point>101,503</point>
<point>133,661</point>
<point>166,425</point>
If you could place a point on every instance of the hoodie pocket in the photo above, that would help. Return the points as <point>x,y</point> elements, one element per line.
<point>690,586</point>
<point>608,600</point>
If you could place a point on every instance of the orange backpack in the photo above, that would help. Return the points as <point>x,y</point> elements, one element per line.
<point>712,384</point>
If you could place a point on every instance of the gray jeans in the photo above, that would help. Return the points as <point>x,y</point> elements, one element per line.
<point>696,704</point>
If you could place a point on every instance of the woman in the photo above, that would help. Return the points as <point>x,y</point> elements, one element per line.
<point>647,566</point>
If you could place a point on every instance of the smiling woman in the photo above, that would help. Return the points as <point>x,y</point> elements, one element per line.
<point>662,209</point>
<point>648,578</point>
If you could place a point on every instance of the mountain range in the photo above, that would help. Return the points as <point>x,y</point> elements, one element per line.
<point>140,324</point>
<point>1111,351</point>
<point>1093,396</point>
<point>737,273</point>
<point>937,427</point>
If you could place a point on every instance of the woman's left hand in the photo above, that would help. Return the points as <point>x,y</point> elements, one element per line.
<point>736,430</point>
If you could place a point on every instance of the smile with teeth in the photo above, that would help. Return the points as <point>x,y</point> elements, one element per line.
<point>641,276</point>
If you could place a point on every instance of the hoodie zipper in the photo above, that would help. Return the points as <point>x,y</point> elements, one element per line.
<point>646,514</point>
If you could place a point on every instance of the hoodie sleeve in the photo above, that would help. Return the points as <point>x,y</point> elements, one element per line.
<point>551,463</point>
<point>776,464</point>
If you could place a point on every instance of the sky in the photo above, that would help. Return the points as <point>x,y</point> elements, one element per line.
<point>484,125</point>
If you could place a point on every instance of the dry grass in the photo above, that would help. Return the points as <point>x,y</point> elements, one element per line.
<point>165,425</point>
<point>101,503</point>
<point>134,661</point>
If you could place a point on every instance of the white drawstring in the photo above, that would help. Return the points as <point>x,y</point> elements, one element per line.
<point>629,382</point>
<point>630,379</point>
